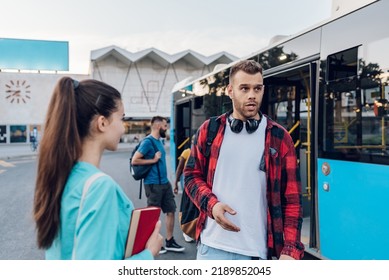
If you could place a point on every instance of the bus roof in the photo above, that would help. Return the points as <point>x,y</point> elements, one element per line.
<point>280,39</point>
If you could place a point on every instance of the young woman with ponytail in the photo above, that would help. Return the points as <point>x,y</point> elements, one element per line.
<point>83,119</point>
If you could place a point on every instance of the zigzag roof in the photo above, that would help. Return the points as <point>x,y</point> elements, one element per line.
<point>162,58</point>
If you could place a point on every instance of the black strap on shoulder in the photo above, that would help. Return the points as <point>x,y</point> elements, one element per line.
<point>157,163</point>
<point>213,128</point>
<point>140,189</point>
<point>156,150</point>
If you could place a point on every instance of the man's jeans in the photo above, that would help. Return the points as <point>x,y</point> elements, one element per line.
<point>205,252</point>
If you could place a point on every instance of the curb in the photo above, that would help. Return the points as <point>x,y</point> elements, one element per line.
<point>123,147</point>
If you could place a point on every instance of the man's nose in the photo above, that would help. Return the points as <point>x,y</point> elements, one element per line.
<point>252,94</point>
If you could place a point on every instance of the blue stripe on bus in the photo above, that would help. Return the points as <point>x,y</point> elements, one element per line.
<point>354,213</point>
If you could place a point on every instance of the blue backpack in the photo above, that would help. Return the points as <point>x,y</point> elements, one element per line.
<point>139,172</point>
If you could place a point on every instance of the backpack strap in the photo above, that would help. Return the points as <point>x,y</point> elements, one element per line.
<point>140,189</point>
<point>85,189</point>
<point>213,128</point>
<point>156,150</point>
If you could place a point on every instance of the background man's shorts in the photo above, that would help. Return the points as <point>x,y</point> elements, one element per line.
<point>161,196</point>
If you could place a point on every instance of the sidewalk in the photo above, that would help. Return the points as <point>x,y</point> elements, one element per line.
<point>9,151</point>
<point>14,151</point>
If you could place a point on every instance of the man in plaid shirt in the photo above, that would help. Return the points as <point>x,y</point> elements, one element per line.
<point>250,201</point>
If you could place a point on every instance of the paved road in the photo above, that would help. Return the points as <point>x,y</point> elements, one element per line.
<point>17,177</point>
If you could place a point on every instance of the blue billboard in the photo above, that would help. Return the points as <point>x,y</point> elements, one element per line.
<point>24,54</point>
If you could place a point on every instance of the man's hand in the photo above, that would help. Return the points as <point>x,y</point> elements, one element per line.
<point>218,211</point>
<point>286,257</point>
<point>157,156</point>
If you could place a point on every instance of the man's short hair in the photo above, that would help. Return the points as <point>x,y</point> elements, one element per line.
<point>158,119</point>
<point>248,66</point>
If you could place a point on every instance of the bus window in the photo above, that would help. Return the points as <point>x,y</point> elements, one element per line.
<point>351,128</point>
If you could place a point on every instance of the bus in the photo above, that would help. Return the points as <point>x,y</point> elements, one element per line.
<point>328,86</point>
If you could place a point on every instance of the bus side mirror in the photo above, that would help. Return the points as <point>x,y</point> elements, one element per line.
<point>381,107</point>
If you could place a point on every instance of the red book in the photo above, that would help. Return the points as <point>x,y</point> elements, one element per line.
<point>142,225</point>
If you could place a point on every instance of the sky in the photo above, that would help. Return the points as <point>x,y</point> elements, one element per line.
<point>239,27</point>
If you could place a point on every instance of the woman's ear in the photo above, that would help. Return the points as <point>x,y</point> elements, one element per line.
<point>101,123</point>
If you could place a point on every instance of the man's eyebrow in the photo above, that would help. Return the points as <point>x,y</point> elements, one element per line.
<point>250,85</point>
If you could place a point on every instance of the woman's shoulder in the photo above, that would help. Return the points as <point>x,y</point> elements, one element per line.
<point>104,182</point>
<point>185,153</point>
<point>106,185</point>
<point>85,173</point>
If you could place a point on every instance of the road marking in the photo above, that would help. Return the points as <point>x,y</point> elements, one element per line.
<point>14,162</point>
<point>6,164</point>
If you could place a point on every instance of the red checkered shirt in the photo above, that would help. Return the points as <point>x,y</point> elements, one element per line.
<point>284,213</point>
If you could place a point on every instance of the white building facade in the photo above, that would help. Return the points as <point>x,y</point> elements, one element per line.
<point>145,79</point>
<point>24,98</point>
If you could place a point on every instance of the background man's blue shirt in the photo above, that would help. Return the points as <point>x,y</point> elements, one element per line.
<point>146,148</point>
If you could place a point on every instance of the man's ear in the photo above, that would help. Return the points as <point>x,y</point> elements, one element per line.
<point>229,91</point>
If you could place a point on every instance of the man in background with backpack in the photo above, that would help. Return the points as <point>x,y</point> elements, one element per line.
<point>247,188</point>
<point>157,186</point>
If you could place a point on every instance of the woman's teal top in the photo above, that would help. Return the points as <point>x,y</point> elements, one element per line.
<point>102,229</point>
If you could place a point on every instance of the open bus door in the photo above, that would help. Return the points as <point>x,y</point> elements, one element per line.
<point>288,100</point>
<point>182,128</point>
<point>189,113</point>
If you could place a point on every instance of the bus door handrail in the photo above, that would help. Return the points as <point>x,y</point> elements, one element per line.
<point>183,143</point>
<point>296,125</point>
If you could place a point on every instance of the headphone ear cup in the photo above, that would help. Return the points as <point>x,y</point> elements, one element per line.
<point>252,125</point>
<point>236,125</point>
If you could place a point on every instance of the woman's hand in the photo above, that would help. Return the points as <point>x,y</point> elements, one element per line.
<point>175,190</point>
<point>154,243</point>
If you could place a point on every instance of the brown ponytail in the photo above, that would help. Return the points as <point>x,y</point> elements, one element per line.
<point>71,109</point>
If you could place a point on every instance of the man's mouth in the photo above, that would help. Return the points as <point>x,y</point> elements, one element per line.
<point>251,106</point>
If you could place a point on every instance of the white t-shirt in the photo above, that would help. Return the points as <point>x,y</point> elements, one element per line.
<point>241,184</point>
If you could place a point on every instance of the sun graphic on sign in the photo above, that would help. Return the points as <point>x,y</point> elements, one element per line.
<point>17,91</point>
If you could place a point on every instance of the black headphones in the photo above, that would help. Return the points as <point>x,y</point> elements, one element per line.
<point>251,124</point>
